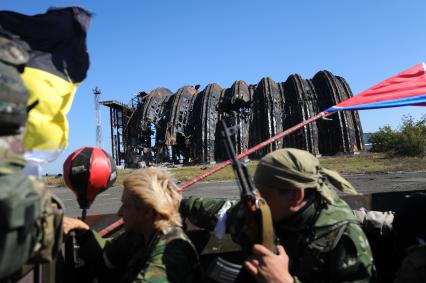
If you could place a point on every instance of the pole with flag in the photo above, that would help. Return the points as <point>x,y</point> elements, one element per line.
<point>407,88</point>
<point>404,89</point>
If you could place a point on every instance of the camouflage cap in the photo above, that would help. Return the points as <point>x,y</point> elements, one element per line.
<point>13,94</point>
<point>292,168</point>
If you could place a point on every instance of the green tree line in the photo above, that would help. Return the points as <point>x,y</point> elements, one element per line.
<point>408,140</point>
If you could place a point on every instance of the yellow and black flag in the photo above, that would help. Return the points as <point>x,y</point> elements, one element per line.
<point>56,43</point>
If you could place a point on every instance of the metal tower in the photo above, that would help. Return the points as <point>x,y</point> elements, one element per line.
<point>99,140</point>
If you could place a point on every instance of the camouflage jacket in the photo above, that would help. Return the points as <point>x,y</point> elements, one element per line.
<point>168,257</point>
<point>413,267</point>
<point>324,242</point>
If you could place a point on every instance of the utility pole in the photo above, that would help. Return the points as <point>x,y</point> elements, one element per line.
<point>99,140</point>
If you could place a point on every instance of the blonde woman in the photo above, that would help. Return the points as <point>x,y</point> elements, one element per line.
<point>153,247</point>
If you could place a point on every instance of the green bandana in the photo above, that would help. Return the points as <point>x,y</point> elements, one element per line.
<point>292,168</point>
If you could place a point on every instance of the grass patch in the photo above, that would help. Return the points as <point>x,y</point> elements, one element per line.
<point>372,163</point>
<point>56,181</point>
<point>187,173</point>
<point>365,163</point>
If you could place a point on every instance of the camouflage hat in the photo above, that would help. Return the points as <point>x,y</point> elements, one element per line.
<point>13,94</point>
<point>292,168</point>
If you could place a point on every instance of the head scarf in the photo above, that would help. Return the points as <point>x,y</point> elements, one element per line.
<point>292,168</point>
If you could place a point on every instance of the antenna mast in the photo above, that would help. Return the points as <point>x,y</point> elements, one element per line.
<point>99,140</point>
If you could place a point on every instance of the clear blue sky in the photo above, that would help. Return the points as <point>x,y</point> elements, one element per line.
<point>141,45</point>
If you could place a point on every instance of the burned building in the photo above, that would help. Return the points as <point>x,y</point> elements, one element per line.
<point>183,127</point>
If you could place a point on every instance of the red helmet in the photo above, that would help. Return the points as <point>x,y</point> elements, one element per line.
<point>88,172</point>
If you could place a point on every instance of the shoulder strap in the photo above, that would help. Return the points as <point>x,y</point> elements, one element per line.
<point>267,229</point>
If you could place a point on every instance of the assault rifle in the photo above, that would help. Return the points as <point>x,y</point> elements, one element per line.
<point>259,220</point>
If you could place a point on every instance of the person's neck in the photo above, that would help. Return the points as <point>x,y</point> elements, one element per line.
<point>148,232</point>
<point>298,219</point>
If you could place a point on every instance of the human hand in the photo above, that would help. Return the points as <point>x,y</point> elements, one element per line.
<point>266,266</point>
<point>69,224</point>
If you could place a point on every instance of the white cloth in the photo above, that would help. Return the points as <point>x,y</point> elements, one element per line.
<point>222,215</point>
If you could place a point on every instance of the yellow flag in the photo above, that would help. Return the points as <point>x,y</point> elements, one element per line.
<point>47,125</point>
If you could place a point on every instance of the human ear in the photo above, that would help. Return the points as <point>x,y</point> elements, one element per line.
<point>297,199</point>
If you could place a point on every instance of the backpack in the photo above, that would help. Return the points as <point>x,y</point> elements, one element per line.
<point>30,223</point>
<point>48,225</point>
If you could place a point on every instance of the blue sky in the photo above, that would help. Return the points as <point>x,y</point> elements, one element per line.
<point>141,45</point>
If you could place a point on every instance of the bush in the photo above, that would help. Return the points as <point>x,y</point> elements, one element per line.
<point>409,140</point>
<point>383,140</point>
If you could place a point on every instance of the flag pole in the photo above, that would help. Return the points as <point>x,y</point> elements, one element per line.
<point>223,164</point>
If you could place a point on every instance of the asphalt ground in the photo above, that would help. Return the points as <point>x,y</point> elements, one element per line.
<point>109,201</point>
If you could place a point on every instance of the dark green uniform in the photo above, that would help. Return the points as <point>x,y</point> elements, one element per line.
<point>324,241</point>
<point>167,257</point>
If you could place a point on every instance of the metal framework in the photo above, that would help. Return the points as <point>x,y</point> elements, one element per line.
<point>161,126</point>
<point>99,138</point>
<point>118,113</point>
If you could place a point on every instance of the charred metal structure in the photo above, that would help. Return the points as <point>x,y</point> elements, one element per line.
<point>182,127</point>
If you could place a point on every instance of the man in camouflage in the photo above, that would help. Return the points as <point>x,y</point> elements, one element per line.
<point>153,247</point>
<point>321,238</point>
<point>31,216</point>
<point>13,99</point>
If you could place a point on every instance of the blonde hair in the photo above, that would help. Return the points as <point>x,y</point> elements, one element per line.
<point>156,189</point>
